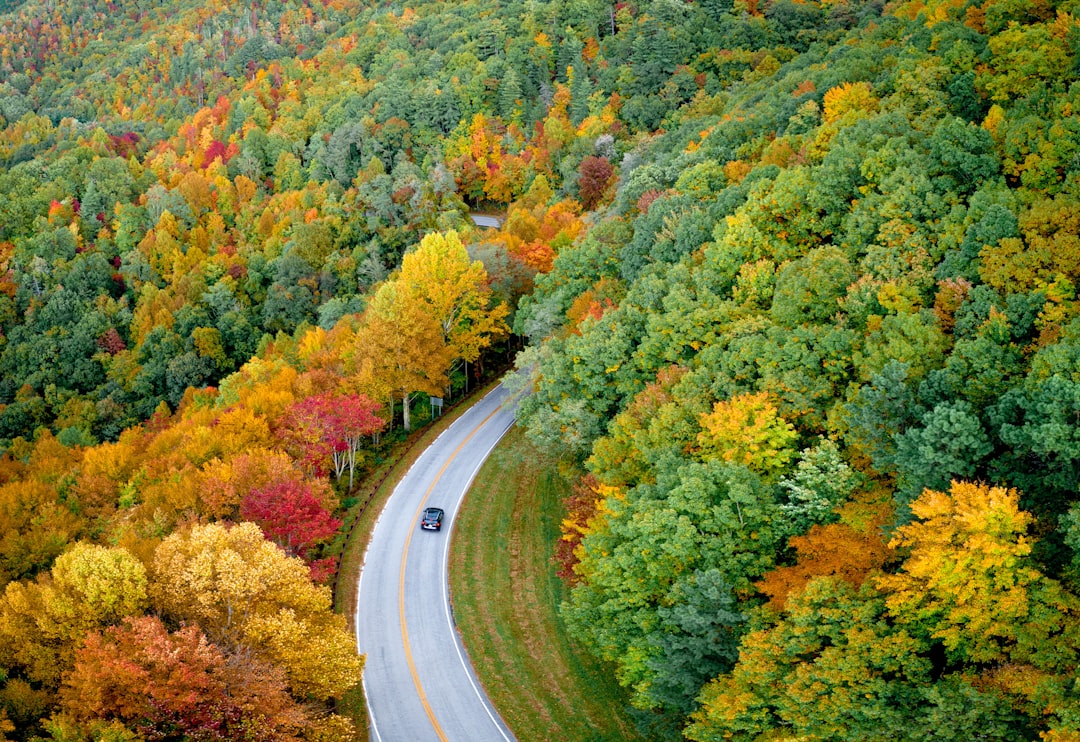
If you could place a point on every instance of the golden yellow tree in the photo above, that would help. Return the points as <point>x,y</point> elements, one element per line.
<point>401,344</point>
<point>969,581</point>
<point>747,429</point>
<point>243,591</point>
<point>42,623</point>
<point>440,278</point>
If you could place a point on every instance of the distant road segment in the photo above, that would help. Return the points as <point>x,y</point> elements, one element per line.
<point>483,220</point>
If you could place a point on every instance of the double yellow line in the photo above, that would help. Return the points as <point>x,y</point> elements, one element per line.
<point>401,582</point>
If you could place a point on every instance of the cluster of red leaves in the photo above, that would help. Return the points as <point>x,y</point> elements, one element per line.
<point>580,508</point>
<point>594,176</point>
<point>319,426</point>
<point>290,515</point>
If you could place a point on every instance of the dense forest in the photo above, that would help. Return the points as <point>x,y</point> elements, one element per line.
<point>799,285</point>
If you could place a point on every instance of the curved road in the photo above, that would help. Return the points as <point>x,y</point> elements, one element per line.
<point>417,678</point>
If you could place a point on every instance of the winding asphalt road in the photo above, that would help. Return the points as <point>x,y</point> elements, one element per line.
<point>418,680</point>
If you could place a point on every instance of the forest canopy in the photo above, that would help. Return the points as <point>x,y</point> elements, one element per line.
<point>798,281</point>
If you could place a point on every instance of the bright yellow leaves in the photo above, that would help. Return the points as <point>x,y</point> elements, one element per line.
<point>435,311</point>
<point>243,590</point>
<point>747,429</point>
<point>854,98</point>
<point>843,105</point>
<point>98,582</point>
<point>399,349</point>
<point>42,623</point>
<point>319,655</point>
<point>968,580</point>
<point>445,284</point>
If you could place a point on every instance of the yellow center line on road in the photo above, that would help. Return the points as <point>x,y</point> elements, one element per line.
<point>401,583</point>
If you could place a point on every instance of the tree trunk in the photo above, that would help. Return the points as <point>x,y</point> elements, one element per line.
<point>405,412</point>
<point>353,444</point>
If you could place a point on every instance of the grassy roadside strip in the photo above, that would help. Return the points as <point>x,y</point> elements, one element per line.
<point>361,519</point>
<point>505,595</point>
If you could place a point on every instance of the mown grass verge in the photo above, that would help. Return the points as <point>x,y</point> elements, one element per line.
<point>505,595</point>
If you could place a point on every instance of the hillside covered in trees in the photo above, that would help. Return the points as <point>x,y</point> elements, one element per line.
<point>799,284</point>
<point>817,356</point>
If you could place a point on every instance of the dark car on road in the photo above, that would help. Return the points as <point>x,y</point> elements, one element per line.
<point>432,519</point>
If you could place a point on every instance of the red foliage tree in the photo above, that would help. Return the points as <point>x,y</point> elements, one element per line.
<point>355,417</point>
<point>647,198</point>
<point>594,175</point>
<point>215,150</point>
<point>580,507</point>
<point>323,570</point>
<point>290,515</point>
<point>326,428</point>
<point>303,431</point>
<point>111,342</point>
